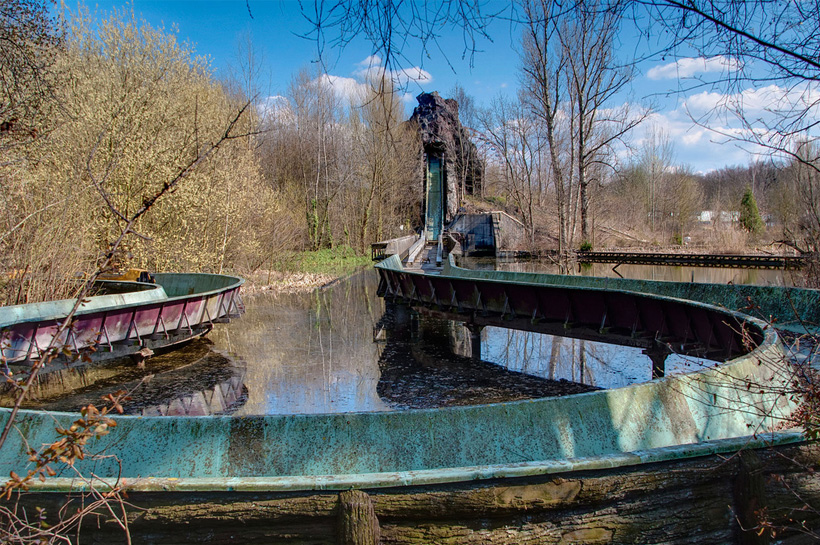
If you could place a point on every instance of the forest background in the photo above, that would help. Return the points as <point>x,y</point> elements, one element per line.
<point>101,111</point>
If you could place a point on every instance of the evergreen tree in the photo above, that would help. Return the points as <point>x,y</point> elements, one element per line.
<point>749,214</point>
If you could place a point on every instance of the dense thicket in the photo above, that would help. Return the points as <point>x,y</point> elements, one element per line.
<point>129,110</point>
<point>346,170</point>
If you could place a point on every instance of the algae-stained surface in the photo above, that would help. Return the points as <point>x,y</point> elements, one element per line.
<point>323,348</point>
<point>607,466</point>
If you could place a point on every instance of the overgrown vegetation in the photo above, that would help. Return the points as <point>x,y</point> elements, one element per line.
<point>105,108</point>
<point>128,106</point>
<point>749,214</point>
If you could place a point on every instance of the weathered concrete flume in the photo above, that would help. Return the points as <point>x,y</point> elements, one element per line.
<point>599,467</point>
<point>126,317</point>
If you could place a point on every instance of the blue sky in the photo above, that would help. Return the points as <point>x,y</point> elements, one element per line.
<point>276,27</point>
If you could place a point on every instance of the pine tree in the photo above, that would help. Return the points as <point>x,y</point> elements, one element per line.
<point>749,214</point>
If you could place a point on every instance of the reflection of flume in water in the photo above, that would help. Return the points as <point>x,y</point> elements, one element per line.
<point>60,380</point>
<point>191,381</point>
<point>426,363</point>
<point>222,398</point>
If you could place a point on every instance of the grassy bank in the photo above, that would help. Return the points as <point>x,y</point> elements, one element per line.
<point>339,261</point>
<point>303,271</point>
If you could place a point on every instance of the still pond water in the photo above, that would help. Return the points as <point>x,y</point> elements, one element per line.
<point>343,349</point>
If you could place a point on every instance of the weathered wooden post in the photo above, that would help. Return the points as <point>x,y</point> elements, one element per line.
<point>358,524</point>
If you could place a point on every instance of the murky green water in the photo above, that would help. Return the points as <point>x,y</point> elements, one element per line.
<point>343,349</point>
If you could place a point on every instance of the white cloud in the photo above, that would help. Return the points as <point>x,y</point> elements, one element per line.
<point>693,137</point>
<point>371,60</point>
<point>400,77</point>
<point>707,146</point>
<point>274,107</point>
<point>708,132</point>
<point>371,68</point>
<point>692,66</point>
<point>348,89</point>
<point>707,101</point>
<point>355,88</point>
<point>757,104</point>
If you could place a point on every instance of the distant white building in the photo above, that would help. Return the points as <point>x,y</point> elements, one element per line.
<point>722,216</point>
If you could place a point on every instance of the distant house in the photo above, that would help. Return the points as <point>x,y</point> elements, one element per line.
<point>715,216</point>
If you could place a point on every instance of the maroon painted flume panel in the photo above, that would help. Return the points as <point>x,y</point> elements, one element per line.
<point>625,317</point>
<point>119,330</point>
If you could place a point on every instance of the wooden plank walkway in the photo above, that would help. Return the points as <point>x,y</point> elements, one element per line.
<point>426,261</point>
<point>697,260</point>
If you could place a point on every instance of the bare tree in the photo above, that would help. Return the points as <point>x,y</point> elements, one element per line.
<point>318,167</point>
<point>508,128</point>
<point>385,150</point>
<point>775,44</point>
<point>468,161</point>
<point>571,77</point>
<point>594,79</point>
<point>398,28</point>
<point>655,159</point>
<point>543,68</point>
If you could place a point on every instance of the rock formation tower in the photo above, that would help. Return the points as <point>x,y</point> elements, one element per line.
<point>450,161</point>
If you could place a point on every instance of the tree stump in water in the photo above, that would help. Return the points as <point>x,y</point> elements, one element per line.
<point>358,524</point>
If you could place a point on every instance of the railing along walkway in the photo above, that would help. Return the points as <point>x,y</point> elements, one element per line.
<point>698,260</point>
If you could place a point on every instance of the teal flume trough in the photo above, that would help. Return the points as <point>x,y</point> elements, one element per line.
<point>720,409</point>
<point>139,315</point>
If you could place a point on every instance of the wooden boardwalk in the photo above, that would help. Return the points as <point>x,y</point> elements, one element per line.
<point>697,260</point>
<point>426,261</point>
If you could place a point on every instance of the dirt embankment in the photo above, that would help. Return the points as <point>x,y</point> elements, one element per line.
<point>284,282</point>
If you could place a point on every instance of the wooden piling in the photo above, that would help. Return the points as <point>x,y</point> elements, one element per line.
<point>357,523</point>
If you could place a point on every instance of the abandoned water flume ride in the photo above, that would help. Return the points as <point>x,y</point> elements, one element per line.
<point>655,462</point>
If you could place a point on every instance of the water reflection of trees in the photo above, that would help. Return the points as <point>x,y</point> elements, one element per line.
<point>343,349</point>
<point>594,363</point>
<point>670,273</point>
<point>553,357</point>
<point>310,352</point>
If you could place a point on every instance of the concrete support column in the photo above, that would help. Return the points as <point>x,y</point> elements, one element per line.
<point>475,340</point>
<point>658,356</point>
<point>402,320</point>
